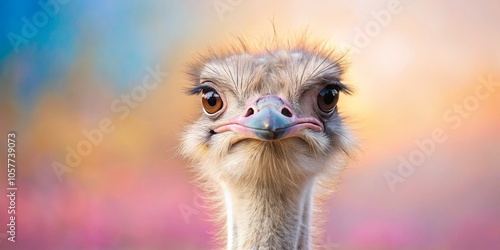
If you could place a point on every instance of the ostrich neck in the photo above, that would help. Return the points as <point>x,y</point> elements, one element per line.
<point>268,216</point>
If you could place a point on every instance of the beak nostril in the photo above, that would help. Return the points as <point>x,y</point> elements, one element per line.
<point>249,112</point>
<point>286,112</point>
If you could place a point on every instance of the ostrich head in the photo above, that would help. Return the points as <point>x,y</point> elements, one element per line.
<point>270,135</point>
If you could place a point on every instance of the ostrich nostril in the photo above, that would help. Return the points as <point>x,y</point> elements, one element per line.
<point>286,112</point>
<point>249,112</point>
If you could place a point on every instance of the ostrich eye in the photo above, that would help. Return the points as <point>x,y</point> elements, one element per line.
<point>328,98</point>
<point>211,101</point>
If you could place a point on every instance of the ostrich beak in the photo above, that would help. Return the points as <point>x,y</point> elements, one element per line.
<point>269,118</point>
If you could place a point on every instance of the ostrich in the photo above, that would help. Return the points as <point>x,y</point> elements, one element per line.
<point>270,143</point>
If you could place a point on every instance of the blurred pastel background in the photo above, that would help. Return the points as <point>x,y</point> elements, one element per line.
<point>64,67</point>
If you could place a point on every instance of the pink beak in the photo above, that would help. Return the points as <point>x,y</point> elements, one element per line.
<point>269,118</point>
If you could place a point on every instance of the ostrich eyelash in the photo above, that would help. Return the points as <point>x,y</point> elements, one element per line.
<point>199,89</point>
<point>341,87</point>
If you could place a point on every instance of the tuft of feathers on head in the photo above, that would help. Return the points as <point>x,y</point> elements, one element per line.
<point>240,45</point>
